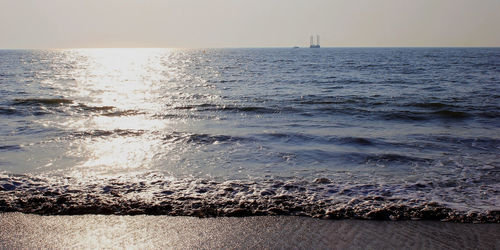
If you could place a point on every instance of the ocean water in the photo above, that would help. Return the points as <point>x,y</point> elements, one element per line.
<point>376,133</point>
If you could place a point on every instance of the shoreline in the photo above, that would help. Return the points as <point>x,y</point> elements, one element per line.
<point>147,231</point>
<point>154,194</point>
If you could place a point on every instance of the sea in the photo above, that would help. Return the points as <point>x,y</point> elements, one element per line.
<point>364,133</point>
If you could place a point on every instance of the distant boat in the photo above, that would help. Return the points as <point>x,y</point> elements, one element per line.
<point>295,47</point>
<point>314,46</point>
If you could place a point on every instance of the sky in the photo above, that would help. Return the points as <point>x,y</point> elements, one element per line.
<point>247,23</point>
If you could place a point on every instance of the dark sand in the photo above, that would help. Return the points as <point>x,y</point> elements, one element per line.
<point>29,231</point>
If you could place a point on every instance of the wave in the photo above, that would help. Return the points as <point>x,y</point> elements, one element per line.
<point>181,137</point>
<point>95,108</point>
<point>182,116</point>
<point>240,109</point>
<point>431,105</point>
<point>322,100</point>
<point>450,114</point>
<point>224,80</point>
<point>490,114</point>
<point>8,111</point>
<point>172,137</point>
<point>288,137</point>
<point>42,101</point>
<point>388,109</point>
<point>477,143</point>
<point>129,112</point>
<point>9,147</point>
<point>423,116</point>
<point>301,138</point>
<point>35,111</point>
<point>107,110</point>
<point>102,133</point>
<point>357,141</point>
<point>321,198</point>
<point>35,106</point>
<point>44,106</point>
<point>359,106</point>
<point>394,158</point>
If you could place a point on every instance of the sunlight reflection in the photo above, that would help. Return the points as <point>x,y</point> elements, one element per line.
<point>115,155</point>
<point>119,88</point>
<point>121,78</point>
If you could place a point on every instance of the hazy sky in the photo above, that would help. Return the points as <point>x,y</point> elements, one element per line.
<point>247,23</point>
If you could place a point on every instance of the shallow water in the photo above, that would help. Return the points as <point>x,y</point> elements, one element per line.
<point>28,231</point>
<point>329,129</point>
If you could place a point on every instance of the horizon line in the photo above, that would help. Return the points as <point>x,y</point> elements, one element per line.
<point>244,47</point>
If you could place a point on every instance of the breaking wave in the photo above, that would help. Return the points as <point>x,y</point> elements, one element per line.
<point>156,194</point>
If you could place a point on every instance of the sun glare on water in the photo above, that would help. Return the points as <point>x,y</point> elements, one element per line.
<point>122,88</point>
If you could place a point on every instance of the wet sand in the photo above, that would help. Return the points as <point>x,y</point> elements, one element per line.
<point>27,231</point>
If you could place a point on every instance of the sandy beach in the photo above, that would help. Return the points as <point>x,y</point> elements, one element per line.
<point>28,231</point>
